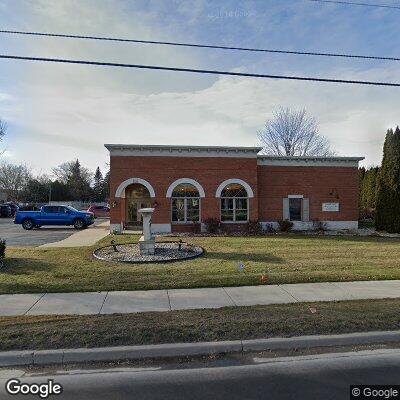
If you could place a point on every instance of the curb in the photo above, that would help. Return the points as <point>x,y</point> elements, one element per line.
<point>65,356</point>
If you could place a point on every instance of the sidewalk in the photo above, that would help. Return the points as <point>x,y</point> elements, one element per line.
<point>85,237</point>
<point>124,302</point>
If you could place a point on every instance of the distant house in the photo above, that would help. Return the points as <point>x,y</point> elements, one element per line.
<point>189,184</point>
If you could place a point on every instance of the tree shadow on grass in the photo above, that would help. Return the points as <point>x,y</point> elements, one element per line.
<point>335,238</point>
<point>262,257</point>
<point>23,266</point>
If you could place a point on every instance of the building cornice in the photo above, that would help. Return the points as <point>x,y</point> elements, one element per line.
<point>310,161</point>
<point>138,150</point>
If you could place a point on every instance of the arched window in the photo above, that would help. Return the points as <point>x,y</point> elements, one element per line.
<point>234,203</point>
<point>185,203</point>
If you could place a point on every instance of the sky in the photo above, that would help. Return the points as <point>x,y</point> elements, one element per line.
<point>57,113</point>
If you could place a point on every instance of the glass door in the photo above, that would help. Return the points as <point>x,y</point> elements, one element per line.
<point>133,207</point>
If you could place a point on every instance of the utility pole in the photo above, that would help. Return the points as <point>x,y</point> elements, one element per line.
<point>50,192</point>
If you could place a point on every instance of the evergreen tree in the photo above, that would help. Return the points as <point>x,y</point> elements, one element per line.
<point>98,186</point>
<point>60,191</point>
<point>106,186</point>
<point>368,180</point>
<point>388,185</point>
<point>79,187</point>
<point>35,192</point>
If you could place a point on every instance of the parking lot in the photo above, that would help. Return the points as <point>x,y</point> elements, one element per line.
<point>16,236</point>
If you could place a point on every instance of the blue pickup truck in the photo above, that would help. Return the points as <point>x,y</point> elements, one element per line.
<point>54,215</point>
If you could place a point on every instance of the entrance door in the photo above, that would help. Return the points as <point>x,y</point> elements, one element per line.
<point>133,207</point>
<point>137,197</point>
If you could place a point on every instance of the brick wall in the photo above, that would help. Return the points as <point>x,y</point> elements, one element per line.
<point>160,172</point>
<point>319,184</point>
<point>270,185</point>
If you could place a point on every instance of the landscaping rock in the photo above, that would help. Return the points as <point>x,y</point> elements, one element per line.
<point>164,252</point>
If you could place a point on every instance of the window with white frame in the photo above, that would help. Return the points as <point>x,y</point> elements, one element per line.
<point>185,204</point>
<point>234,203</point>
<point>295,209</point>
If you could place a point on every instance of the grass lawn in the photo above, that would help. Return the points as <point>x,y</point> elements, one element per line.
<point>285,259</point>
<point>197,325</point>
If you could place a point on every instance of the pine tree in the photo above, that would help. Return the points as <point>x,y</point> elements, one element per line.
<point>98,185</point>
<point>77,182</point>
<point>388,185</point>
<point>106,186</point>
<point>368,180</point>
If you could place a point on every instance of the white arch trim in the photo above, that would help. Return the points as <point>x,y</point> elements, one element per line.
<point>221,187</point>
<point>120,192</point>
<point>196,184</point>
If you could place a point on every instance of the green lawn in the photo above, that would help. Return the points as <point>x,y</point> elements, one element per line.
<point>285,259</point>
<point>47,332</point>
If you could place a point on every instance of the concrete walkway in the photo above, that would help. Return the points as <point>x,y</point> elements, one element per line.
<point>182,299</point>
<point>85,237</point>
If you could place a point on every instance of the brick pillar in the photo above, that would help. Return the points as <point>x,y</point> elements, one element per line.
<point>122,205</point>
<point>253,204</point>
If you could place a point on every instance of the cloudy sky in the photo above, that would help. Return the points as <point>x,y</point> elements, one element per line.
<point>61,112</point>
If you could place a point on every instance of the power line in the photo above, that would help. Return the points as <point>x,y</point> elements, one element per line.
<point>198,71</point>
<point>140,41</point>
<point>353,3</point>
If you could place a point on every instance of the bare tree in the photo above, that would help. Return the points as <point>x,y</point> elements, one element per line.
<point>3,128</point>
<point>65,171</point>
<point>293,133</point>
<point>13,178</point>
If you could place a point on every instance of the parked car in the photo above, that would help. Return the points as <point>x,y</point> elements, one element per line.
<point>5,211</point>
<point>54,215</point>
<point>14,208</point>
<point>100,211</point>
<point>29,207</point>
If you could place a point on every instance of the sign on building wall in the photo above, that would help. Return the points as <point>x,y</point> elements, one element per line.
<point>330,207</point>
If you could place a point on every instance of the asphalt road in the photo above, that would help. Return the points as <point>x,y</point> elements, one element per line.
<point>16,236</point>
<point>325,377</point>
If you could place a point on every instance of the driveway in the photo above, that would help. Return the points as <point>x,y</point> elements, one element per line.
<point>16,236</point>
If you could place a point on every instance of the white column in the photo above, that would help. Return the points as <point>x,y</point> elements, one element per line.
<point>146,242</point>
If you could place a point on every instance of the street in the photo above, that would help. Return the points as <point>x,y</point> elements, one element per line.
<point>326,376</point>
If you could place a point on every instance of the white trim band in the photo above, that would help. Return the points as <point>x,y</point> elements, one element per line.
<point>120,192</point>
<point>138,150</point>
<point>196,184</point>
<point>160,228</point>
<point>283,161</point>
<point>222,186</point>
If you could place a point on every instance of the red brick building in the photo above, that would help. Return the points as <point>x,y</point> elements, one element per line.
<point>189,184</point>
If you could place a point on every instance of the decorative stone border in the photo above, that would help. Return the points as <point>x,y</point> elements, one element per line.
<point>152,259</point>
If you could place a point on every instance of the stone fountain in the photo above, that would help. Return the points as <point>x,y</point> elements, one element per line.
<point>147,241</point>
<point>147,251</point>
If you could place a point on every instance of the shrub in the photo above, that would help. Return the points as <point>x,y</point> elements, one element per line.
<point>2,248</point>
<point>254,228</point>
<point>196,228</point>
<point>269,228</point>
<point>212,225</point>
<point>285,225</point>
<point>366,214</point>
<point>2,251</point>
<point>319,226</point>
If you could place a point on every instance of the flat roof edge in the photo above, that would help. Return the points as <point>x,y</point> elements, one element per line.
<point>112,146</point>
<point>309,158</point>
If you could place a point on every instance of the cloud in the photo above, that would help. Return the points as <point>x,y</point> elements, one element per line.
<point>229,112</point>
<point>61,112</point>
